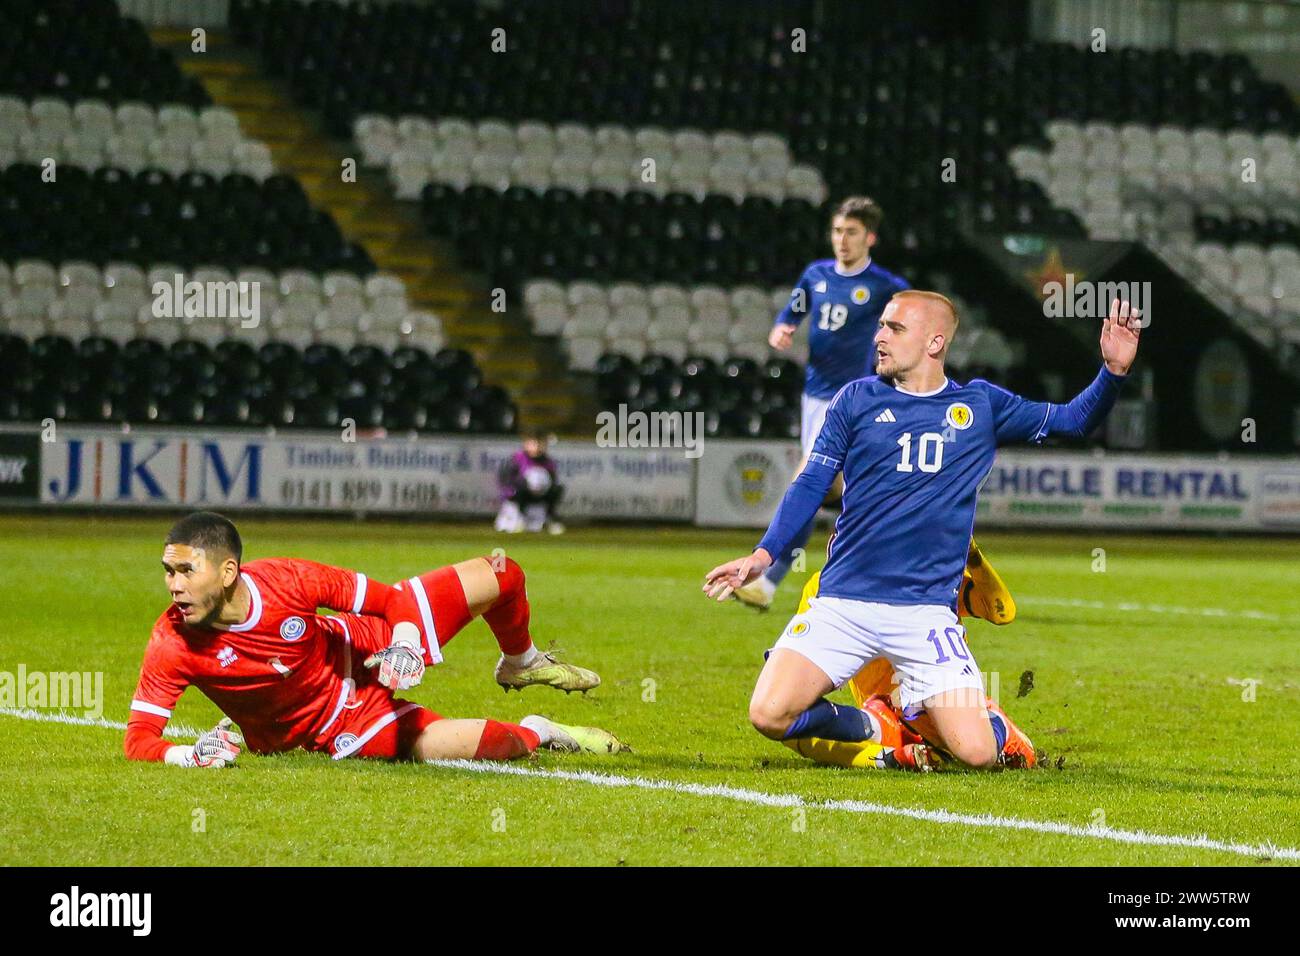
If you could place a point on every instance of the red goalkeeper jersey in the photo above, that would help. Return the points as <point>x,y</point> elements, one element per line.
<point>286,673</point>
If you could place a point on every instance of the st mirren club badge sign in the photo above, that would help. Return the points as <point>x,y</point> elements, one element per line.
<point>752,479</point>
<point>740,483</point>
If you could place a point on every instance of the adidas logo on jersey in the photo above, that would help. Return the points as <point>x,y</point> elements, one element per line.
<point>886,416</point>
<point>227,656</point>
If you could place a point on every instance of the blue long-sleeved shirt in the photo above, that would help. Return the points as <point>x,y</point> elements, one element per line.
<point>913,464</point>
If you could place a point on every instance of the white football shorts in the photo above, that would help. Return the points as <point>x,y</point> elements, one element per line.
<point>925,643</point>
<point>812,415</point>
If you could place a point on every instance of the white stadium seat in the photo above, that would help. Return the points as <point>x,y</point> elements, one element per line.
<point>668,330</point>
<point>533,133</point>
<point>633,348</point>
<point>549,317</point>
<point>584,351</point>
<point>219,121</point>
<point>534,155</point>
<point>384,285</point>
<point>581,327</point>
<point>588,293</point>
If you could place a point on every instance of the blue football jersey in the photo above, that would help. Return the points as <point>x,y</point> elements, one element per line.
<point>913,464</point>
<point>844,313</point>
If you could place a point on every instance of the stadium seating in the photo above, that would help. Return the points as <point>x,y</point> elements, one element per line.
<point>1124,182</point>
<point>152,216</point>
<point>152,184</point>
<point>739,398</point>
<point>637,237</point>
<point>89,133</point>
<point>78,300</point>
<point>1222,207</point>
<point>417,151</point>
<point>99,381</point>
<point>85,49</point>
<point>84,344</point>
<point>748,140</point>
<point>704,321</point>
<point>737,87</point>
<point>548,183</point>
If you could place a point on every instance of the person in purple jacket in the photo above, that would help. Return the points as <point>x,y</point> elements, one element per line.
<point>530,490</point>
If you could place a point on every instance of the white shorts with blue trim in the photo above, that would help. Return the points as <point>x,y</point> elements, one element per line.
<point>812,415</point>
<point>925,643</point>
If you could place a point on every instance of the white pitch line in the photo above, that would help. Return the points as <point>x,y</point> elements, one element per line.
<point>1130,606</point>
<point>177,731</point>
<point>760,798</point>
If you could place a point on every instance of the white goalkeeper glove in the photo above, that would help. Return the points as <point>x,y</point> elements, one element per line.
<point>401,663</point>
<point>217,748</point>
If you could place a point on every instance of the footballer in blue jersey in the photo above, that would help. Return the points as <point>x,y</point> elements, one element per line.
<point>843,298</point>
<point>913,448</point>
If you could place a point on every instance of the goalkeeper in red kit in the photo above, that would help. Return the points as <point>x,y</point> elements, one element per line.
<point>249,637</point>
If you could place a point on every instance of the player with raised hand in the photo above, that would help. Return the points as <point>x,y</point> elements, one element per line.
<point>913,447</point>
<point>844,296</point>
<point>249,636</point>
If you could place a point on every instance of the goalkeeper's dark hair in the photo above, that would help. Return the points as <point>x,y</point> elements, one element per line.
<point>210,531</point>
<point>864,209</point>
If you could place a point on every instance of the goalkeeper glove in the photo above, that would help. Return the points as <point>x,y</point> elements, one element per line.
<point>401,663</point>
<point>217,748</point>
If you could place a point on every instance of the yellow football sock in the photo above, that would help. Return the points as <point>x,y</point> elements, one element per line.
<point>840,753</point>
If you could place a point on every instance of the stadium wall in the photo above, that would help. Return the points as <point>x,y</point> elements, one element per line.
<point>733,484</point>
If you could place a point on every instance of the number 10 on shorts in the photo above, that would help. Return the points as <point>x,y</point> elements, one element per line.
<point>956,643</point>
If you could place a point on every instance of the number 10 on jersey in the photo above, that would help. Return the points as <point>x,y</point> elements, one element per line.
<point>929,452</point>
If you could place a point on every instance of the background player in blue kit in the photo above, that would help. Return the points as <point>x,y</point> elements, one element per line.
<point>913,447</point>
<point>844,297</point>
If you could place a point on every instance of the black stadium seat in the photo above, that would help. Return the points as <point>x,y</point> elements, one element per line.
<point>85,48</point>
<point>151,218</point>
<point>232,384</point>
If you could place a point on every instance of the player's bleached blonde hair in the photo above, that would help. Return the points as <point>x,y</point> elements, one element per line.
<point>930,297</point>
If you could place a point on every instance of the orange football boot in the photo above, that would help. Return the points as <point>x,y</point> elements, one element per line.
<point>1018,751</point>
<point>904,749</point>
<point>893,732</point>
<point>920,757</point>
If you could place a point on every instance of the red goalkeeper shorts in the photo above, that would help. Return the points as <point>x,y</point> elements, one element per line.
<point>369,721</point>
<point>374,723</point>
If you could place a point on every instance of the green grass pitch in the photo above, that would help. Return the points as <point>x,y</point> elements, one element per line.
<point>1137,698</point>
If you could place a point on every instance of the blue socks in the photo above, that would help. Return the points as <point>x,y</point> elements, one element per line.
<point>832,722</point>
<point>999,731</point>
<point>781,566</point>
<point>844,722</point>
